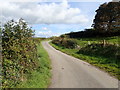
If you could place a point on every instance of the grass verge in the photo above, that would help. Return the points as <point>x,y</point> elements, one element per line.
<point>111,68</point>
<point>39,78</point>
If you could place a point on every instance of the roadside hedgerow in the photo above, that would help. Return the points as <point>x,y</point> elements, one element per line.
<point>19,52</point>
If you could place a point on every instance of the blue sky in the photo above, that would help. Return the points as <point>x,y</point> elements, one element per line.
<point>87,9</point>
<point>52,18</point>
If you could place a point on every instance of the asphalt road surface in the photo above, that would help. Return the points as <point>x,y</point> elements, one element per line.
<point>70,72</point>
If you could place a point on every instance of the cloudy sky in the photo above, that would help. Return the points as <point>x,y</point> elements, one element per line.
<point>52,18</point>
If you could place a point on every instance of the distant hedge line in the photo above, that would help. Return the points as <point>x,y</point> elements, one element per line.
<point>87,33</point>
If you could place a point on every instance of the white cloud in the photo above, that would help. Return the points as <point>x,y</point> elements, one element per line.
<point>57,0</point>
<point>115,0</point>
<point>35,13</point>
<point>44,28</point>
<point>46,34</point>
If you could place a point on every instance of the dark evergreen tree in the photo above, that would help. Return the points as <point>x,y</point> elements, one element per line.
<point>107,18</point>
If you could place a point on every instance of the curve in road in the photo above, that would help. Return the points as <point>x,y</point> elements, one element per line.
<point>70,72</point>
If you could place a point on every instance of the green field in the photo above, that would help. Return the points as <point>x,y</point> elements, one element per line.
<point>102,57</point>
<point>84,41</point>
<point>40,78</point>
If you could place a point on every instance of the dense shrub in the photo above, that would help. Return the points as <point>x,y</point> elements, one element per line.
<point>19,53</point>
<point>69,43</point>
<point>107,51</point>
<point>65,42</point>
<point>57,41</point>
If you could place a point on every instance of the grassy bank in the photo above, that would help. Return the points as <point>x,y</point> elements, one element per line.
<point>104,62</point>
<point>39,78</point>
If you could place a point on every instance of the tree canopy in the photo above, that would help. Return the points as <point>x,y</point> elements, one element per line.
<point>107,17</point>
<point>106,22</point>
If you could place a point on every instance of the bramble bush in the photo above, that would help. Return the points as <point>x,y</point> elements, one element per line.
<point>65,42</point>
<point>19,52</point>
<point>107,51</point>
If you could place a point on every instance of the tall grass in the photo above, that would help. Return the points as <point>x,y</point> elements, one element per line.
<point>39,78</point>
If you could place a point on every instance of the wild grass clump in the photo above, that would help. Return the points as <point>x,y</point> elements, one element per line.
<point>39,78</point>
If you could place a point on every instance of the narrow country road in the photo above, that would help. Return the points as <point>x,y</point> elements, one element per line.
<point>70,72</point>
